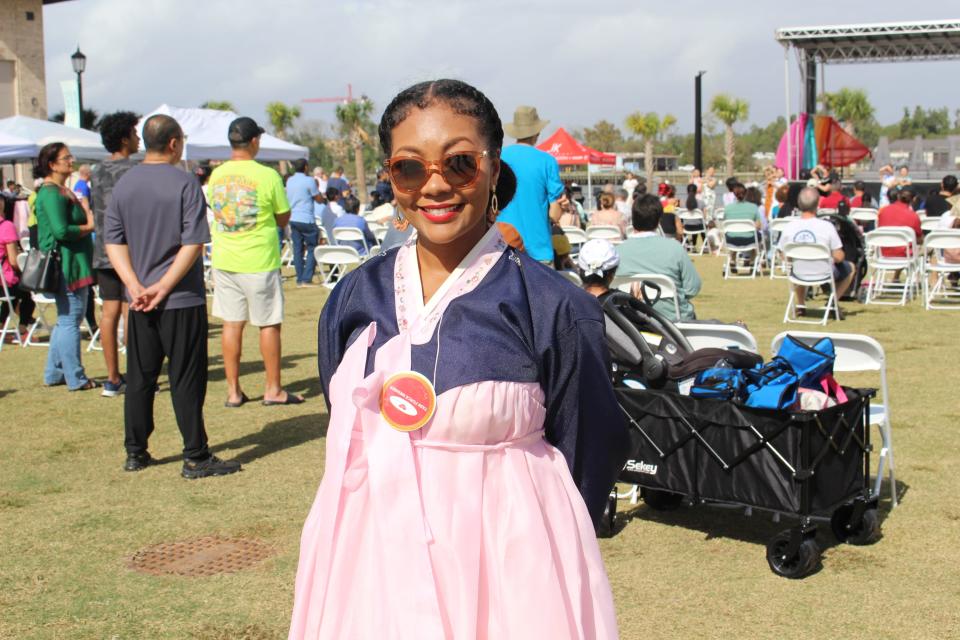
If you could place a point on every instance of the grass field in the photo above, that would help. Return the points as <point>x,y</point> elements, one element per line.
<point>70,518</point>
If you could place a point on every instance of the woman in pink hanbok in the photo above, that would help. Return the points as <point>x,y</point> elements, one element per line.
<point>473,435</point>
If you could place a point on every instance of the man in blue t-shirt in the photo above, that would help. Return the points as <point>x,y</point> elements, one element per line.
<point>338,182</point>
<point>539,187</point>
<point>302,193</point>
<point>351,219</point>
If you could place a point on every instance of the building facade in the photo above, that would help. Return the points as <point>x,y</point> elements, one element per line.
<point>22,79</point>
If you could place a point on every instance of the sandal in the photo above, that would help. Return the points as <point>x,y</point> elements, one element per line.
<point>233,405</point>
<point>90,384</point>
<point>290,399</point>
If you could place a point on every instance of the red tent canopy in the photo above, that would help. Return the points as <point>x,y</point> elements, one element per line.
<point>562,146</point>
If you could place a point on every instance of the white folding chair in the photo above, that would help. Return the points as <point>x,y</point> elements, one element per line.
<point>826,212</point>
<point>856,353</point>
<point>207,257</point>
<point>95,337</point>
<point>631,284</point>
<point>375,227</point>
<point>9,300</point>
<point>690,235</point>
<point>776,227</point>
<point>607,232</point>
<point>942,290</point>
<point>704,335</point>
<point>43,302</point>
<point>885,268</point>
<point>342,235</point>
<point>930,224</point>
<point>863,216</point>
<point>572,277</point>
<point>733,252</point>
<point>334,260</point>
<point>576,236</point>
<point>286,253</point>
<point>812,254</point>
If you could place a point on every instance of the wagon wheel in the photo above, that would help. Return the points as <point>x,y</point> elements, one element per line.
<point>800,565</point>
<point>606,527</point>
<point>867,531</point>
<point>661,500</point>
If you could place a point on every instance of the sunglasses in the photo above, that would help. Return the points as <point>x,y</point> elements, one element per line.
<point>460,170</point>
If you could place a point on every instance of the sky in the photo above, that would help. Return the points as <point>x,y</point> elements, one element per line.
<point>575,66</point>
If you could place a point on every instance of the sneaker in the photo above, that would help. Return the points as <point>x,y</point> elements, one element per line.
<point>138,461</point>
<point>111,390</point>
<point>212,466</point>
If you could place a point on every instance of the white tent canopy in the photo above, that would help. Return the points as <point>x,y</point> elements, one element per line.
<point>15,148</point>
<point>206,131</point>
<point>85,145</point>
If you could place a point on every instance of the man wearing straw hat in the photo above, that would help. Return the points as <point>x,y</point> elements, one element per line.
<point>539,187</point>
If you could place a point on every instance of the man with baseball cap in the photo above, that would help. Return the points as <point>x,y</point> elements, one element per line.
<point>249,204</point>
<point>539,188</point>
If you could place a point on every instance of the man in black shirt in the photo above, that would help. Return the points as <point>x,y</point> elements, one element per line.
<point>937,203</point>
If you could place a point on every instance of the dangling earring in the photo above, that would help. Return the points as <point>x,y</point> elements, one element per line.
<point>494,210</point>
<point>399,222</point>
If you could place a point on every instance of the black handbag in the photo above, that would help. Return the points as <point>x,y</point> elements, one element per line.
<point>42,271</point>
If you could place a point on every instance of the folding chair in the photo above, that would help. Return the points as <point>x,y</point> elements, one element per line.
<point>690,235</point>
<point>207,257</point>
<point>43,302</point>
<point>337,258</point>
<point>607,232</point>
<point>732,252</point>
<point>342,235</point>
<point>668,288</point>
<point>9,300</point>
<point>810,252</point>
<point>577,237</point>
<point>883,266</point>
<point>776,228</point>
<point>826,212</point>
<point>572,277</point>
<point>857,353</point>
<point>933,246</point>
<point>929,224</point>
<point>704,335</point>
<point>864,216</point>
<point>95,337</point>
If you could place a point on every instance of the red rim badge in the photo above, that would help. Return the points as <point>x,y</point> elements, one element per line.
<point>407,401</point>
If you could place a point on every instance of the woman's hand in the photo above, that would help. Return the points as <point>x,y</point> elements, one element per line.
<point>87,227</point>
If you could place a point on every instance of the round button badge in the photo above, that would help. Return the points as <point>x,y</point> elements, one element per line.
<point>407,401</point>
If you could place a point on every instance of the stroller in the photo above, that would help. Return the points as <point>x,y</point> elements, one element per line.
<point>812,466</point>
<point>854,247</point>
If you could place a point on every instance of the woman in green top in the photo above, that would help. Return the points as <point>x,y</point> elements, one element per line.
<point>62,224</point>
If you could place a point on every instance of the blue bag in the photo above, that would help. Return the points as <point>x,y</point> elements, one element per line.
<point>718,383</point>
<point>772,386</point>
<point>811,363</point>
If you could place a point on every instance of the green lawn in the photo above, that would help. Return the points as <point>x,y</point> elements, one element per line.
<point>70,518</point>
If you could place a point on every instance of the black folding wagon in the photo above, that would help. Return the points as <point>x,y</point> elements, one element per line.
<point>811,466</point>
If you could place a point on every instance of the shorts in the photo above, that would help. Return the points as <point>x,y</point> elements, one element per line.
<point>110,284</point>
<point>841,270</point>
<point>256,298</point>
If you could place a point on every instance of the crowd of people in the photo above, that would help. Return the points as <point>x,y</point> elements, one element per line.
<point>454,373</point>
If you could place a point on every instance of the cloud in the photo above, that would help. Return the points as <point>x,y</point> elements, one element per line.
<point>576,62</point>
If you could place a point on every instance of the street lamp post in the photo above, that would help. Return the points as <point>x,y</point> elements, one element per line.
<point>79,62</point>
<point>697,124</point>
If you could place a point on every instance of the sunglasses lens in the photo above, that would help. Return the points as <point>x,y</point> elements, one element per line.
<point>460,169</point>
<point>408,173</point>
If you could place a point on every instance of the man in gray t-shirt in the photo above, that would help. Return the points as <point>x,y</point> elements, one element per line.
<point>154,234</point>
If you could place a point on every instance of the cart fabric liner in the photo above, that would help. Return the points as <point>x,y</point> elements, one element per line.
<point>803,463</point>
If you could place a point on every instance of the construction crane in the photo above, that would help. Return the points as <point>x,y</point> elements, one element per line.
<point>342,99</point>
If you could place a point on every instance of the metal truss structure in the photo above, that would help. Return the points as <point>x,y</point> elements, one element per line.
<point>866,43</point>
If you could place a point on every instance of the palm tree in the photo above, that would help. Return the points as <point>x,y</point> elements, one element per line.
<point>729,111</point>
<point>90,119</point>
<point>850,106</point>
<point>282,117</point>
<point>650,127</point>
<point>354,119</point>
<point>219,105</point>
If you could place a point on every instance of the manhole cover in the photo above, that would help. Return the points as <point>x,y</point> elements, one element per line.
<point>199,557</point>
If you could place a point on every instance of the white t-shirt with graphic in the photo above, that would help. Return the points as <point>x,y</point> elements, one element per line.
<point>815,230</point>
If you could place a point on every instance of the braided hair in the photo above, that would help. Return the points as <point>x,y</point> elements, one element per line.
<point>463,99</point>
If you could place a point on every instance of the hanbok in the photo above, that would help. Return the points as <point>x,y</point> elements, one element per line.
<point>477,525</point>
